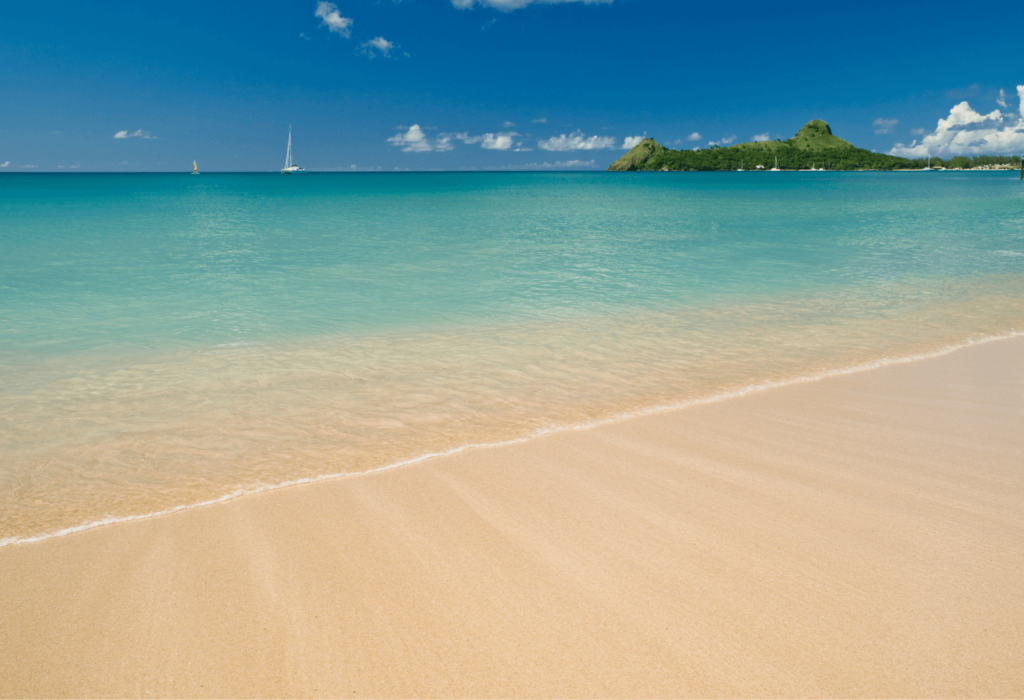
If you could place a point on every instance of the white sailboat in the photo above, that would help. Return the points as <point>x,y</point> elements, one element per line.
<point>289,168</point>
<point>776,168</point>
<point>195,168</point>
<point>929,164</point>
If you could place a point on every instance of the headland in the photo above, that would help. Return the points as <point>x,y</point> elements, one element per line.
<point>814,147</point>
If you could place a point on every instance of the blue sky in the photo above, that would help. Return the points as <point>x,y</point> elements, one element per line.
<point>487,84</point>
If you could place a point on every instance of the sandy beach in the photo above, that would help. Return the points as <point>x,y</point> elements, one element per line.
<point>857,536</point>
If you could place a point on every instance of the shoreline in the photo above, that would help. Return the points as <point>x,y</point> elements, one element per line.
<point>688,403</point>
<point>853,536</point>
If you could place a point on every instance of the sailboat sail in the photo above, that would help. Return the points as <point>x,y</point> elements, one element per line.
<point>289,167</point>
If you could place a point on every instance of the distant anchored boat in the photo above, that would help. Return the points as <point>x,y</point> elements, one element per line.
<point>289,168</point>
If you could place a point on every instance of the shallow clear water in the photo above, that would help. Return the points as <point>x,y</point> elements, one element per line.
<point>168,339</point>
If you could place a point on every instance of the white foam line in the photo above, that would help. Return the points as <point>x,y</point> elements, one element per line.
<point>753,388</point>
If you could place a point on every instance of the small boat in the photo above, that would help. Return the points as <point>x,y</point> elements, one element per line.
<point>740,170</point>
<point>929,164</point>
<point>776,168</point>
<point>195,169</point>
<point>289,168</point>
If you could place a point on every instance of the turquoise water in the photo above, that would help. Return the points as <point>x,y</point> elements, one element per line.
<point>168,339</point>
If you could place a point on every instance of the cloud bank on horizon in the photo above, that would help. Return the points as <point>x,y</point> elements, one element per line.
<point>576,141</point>
<point>415,140</point>
<point>968,132</point>
<point>557,164</point>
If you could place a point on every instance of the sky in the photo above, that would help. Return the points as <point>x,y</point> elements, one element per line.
<point>491,84</point>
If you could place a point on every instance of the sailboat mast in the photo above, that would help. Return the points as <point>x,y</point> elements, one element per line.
<point>288,157</point>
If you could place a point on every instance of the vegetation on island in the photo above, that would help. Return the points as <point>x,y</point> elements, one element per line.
<point>971,163</point>
<point>814,146</point>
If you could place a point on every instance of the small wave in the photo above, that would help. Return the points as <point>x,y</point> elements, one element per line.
<point>750,389</point>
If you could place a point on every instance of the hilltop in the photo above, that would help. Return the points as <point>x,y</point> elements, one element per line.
<point>814,146</point>
<point>641,153</point>
<point>816,136</point>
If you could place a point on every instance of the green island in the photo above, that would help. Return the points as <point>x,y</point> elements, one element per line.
<point>814,146</point>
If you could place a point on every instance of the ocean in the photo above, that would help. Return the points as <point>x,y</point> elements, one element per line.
<point>169,340</point>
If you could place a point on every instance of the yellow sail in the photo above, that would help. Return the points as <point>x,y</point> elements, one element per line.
<point>194,168</point>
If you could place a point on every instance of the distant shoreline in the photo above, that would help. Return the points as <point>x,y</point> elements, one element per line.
<point>496,171</point>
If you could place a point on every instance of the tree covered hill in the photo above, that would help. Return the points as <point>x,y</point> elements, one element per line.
<point>814,146</point>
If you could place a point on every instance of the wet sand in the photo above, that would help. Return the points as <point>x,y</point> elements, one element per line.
<point>857,536</point>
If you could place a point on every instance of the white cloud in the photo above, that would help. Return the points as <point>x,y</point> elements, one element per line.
<point>576,141</point>
<point>499,142</point>
<point>5,164</point>
<point>631,141</point>
<point>967,132</point>
<point>884,126</point>
<point>332,19</point>
<point>28,166</point>
<point>381,44</point>
<point>509,5</point>
<point>415,141</point>
<point>728,139</point>
<point>492,142</point>
<point>695,136</point>
<point>542,120</point>
<point>762,137</point>
<point>917,132</point>
<point>556,164</point>
<point>137,134</point>
<point>1001,101</point>
<point>508,125</point>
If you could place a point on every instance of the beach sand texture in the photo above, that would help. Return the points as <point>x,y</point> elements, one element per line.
<point>862,535</point>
